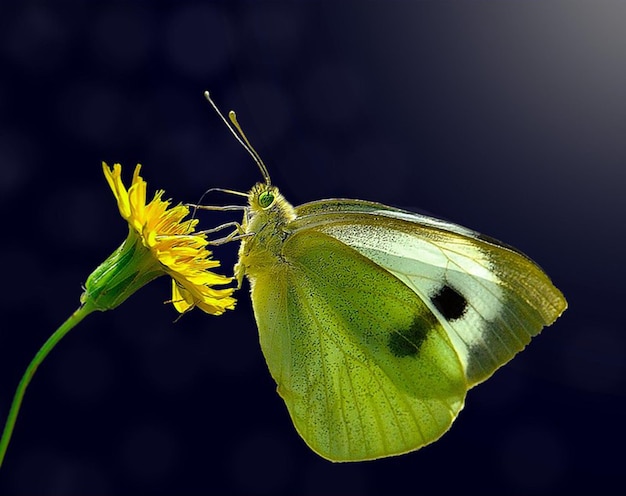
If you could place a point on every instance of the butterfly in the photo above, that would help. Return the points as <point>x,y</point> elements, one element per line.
<point>375,321</point>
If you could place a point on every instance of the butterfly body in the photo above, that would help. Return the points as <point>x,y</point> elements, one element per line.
<point>375,321</point>
<point>269,228</point>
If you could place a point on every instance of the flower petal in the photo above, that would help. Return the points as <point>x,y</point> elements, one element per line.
<point>180,251</point>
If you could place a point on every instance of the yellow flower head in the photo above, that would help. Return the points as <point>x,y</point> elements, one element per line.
<point>159,242</point>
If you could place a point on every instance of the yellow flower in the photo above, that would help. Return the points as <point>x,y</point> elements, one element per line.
<point>159,242</point>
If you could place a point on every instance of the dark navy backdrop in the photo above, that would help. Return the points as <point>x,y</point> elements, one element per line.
<point>507,117</point>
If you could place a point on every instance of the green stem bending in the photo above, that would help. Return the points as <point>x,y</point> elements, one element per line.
<point>52,341</point>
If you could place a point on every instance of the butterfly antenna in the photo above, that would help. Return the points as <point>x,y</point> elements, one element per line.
<point>241,137</point>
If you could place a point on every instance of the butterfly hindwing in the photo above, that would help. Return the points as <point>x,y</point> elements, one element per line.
<point>364,365</point>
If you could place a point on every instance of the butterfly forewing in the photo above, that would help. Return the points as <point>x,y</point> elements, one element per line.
<point>490,298</point>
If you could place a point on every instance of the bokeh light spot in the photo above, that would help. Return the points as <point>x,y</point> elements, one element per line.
<point>197,40</point>
<point>533,459</point>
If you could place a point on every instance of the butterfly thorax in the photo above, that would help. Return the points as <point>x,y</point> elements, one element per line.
<point>265,224</point>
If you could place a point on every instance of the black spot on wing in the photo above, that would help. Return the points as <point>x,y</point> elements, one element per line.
<point>450,303</point>
<point>407,342</point>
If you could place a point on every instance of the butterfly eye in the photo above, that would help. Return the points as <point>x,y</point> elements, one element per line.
<point>266,199</point>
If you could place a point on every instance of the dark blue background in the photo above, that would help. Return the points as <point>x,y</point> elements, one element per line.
<point>507,117</point>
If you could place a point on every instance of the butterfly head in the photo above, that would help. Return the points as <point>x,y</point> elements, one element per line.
<point>266,204</point>
<point>266,201</point>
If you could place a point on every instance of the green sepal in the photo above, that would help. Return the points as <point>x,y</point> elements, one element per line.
<point>129,268</point>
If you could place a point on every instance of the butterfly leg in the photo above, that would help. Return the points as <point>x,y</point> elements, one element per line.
<point>236,225</point>
<point>236,235</point>
<point>219,208</point>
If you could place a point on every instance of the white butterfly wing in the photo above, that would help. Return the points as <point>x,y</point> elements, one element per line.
<point>490,298</point>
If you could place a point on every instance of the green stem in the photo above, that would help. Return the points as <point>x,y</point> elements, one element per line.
<point>52,341</point>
